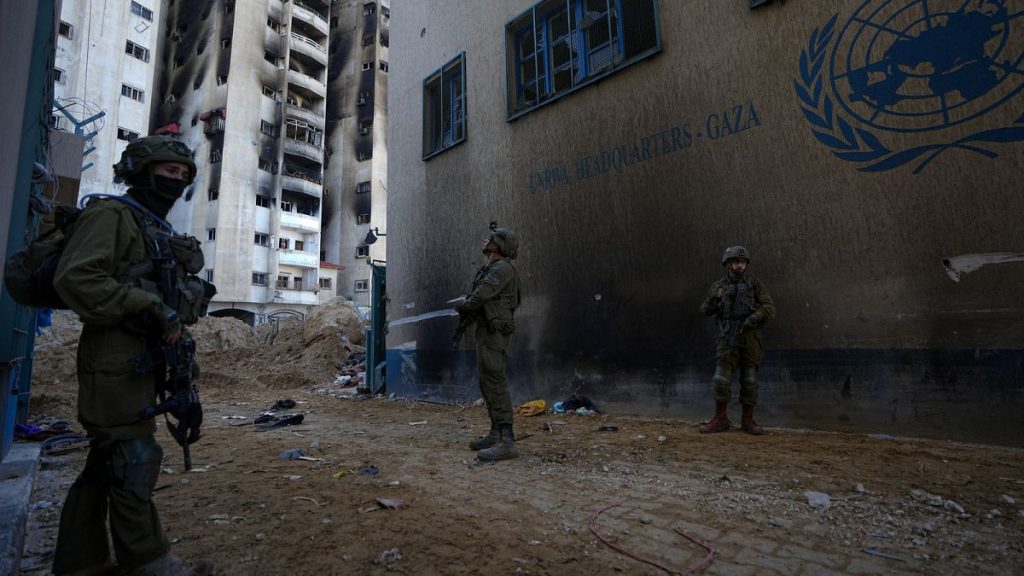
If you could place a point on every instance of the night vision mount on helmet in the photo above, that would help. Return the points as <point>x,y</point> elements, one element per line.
<point>735,252</point>
<point>141,154</point>
<point>505,240</point>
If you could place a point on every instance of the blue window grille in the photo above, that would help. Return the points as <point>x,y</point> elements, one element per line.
<point>559,46</point>
<point>444,107</point>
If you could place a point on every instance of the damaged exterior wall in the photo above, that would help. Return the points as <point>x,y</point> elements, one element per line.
<point>356,170</point>
<point>247,83</point>
<point>850,164</point>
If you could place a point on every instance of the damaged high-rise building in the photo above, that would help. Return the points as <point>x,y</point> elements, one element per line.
<point>284,104</point>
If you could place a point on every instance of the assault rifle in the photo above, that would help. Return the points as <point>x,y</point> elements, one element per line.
<point>174,364</point>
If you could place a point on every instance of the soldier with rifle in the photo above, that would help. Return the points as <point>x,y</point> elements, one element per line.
<point>131,279</point>
<point>491,304</point>
<point>741,305</point>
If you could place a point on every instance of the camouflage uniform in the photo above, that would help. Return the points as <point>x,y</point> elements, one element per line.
<point>743,308</point>
<point>124,458</point>
<point>493,300</point>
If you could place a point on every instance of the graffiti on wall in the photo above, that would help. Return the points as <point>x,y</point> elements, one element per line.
<point>906,71</point>
<point>617,158</point>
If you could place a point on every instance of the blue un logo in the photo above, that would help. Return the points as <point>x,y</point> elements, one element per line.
<point>912,66</point>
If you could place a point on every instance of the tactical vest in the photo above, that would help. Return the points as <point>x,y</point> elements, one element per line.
<point>737,303</point>
<point>169,269</point>
<point>499,312</point>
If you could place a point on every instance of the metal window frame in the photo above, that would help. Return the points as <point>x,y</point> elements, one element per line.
<point>516,27</point>
<point>429,124</point>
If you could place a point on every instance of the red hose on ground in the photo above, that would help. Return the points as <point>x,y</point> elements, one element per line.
<point>698,566</point>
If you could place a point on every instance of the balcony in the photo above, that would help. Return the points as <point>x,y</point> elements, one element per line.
<point>298,258</point>
<point>310,48</point>
<point>309,16</point>
<point>301,222</point>
<point>305,296</point>
<point>307,83</point>
<point>305,114</point>
<point>301,180</point>
<point>299,148</point>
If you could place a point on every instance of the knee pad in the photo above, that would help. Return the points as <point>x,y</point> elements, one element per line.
<point>722,376</point>
<point>137,465</point>
<point>748,376</point>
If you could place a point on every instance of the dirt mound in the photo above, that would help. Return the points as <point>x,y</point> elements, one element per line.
<point>214,334</point>
<point>54,382</point>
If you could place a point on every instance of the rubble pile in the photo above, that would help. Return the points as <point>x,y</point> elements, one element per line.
<point>232,355</point>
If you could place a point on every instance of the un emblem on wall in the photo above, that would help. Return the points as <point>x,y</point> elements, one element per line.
<point>912,66</point>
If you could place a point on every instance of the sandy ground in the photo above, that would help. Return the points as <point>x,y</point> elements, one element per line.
<point>896,506</point>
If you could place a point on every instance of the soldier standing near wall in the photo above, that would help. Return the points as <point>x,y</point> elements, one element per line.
<point>491,303</point>
<point>111,275</point>
<point>741,305</point>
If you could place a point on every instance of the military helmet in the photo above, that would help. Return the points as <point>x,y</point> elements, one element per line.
<point>144,152</point>
<point>735,252</point>
<point>505,240</point>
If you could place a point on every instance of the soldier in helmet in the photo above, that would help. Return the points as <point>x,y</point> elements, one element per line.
<point>492,302</point>
<point>741,305</point>
<point>107,276</point>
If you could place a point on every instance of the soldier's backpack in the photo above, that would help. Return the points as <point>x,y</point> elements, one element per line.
<point>29,272</point>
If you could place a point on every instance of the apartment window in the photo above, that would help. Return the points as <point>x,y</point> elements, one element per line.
<point>325,283</point>
<point>369,8</point>
<point>273,24</point>
<point>126,134</point>
<point>222,80</point>
<point>368,39</point>
<point>368,65</point>
<point>269,92</point>
<point>363,187</point>
<point>262,239</point>
<point>273,59</point>
<point>215,155</point>
<point>142,11</point>
<point>286,206</point>
<point>364,96</point>
<point>282,282</point>
<point>298,282</point>
<point>383,66</point>
<point>362,285</point>
<point>264,201</point>
<point>229,6</point>
<point>363,218</point>
<point>363,156</point>
<point>284,243</point>
<point>213,193</point>
<point>334,22</point>
<point>66,30</point>
<point>385,12</point>
<point>444,117</point>
<point>300,245</point>
<point>140,52</point>
<point>225,43</point>
<point>59,76</point>
<point>259,278</point>
<point>268,165</point>
<point>558,46</point>
<point>133,93</point>
<point>303,132</point>
<point>211,233</point>
<point>209,274</point>
<point>268,128</point>
<point>362,251</point>
<point>55,121</point>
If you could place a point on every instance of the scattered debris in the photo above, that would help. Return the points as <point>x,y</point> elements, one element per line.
<point>1005,499</point>
<point>818,500</point>
<point>608,428</point>
<point>293,454</point>
<point>532,408</point>
<point>388,557</point>
<point>342,473</point>
<point>418,423</point>
<point>276,422</point>
<point>882,436</point>
<point>369,471</point>
<point>880,554</point>
<point>391,503</point>
<point>306,498</point>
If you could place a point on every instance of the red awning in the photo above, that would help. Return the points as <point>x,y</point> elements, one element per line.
<point>215,112</point>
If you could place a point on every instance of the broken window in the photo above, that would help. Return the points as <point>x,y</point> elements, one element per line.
<point>273,24</point>
<point>59,76</point>
<point>264,201</point>
<point>303,132</point>
<point>560,45</point>
<point>444,97</point>
<point>215,155</point>
<point>126,134</point>
<point>259,278</point>
<point>211,233</point>
<point>213,193</point>
<point>268,128</point>
<point>368,65</point>
<point>362,251</point>
<point>268,165</point>
<point>261,239</point>
<point>286,206</point>
<point>140,52</point>
<point>363,218</point>
<point>363,187</point>
<point>66,30</point>
<point>383,66</point>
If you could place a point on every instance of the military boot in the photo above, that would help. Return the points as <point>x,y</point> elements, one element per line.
<point>504,449</point>
<point>749,425</point>
<point>487,441</point>
<point>720,422</point>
